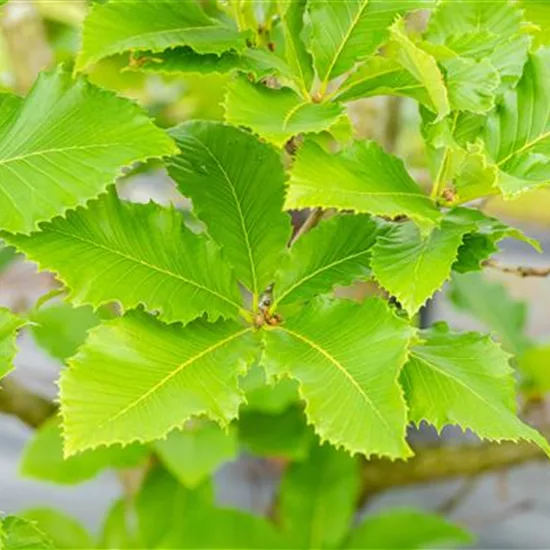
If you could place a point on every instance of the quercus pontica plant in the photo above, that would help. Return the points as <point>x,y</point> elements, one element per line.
<point>197,327</point>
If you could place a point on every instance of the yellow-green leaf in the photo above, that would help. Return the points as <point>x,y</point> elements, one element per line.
<point>136,379</point>
<point>362,178</point>
<point>464,379</point>
<point>55,154</point>
<point>9,325</point>
<point>135,254</point>
<point>343,352</point>
<point>277,114</point>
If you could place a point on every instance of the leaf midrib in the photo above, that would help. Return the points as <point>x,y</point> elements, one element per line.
<point>239,211</point>
<point>45,152</point>
<point>121,43</point>
<point>373,76</point>
<point>295,55</point>
<point>148,265</point>
<point>292,112</point>
<point>173,373</point>
<point>320,270</point>
<point>368,193</point>
<point>341,368</point>
<point>345,39</point>
<point>442,372</point>
<point>524,148</point>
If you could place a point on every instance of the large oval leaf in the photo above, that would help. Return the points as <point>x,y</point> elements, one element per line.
<point>236,184</point>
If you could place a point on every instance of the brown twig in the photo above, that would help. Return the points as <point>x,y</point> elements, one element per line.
<point>29,407</point>
<point>447,462</point>
<point>392,127</point>
<point>459,496</point>
<point>312,220</point>
<point>520,271</point>
<point>378,475</point>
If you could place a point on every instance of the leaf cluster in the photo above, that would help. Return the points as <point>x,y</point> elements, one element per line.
<point>188,328</point>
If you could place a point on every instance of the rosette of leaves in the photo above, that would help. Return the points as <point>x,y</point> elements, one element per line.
<point>198,309</point>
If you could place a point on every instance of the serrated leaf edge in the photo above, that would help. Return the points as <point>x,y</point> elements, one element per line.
<point>72,449</point>
<point>537,439</point>
<point>96,305</point>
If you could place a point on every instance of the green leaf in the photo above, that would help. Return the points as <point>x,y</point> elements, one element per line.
<point>21,534</point>
<point>61,328</point>
<point>336,252</point>
<point>412,267</point>
<point>424,69</point>
<point>135,254</point>
<point>464,379</point>
<point>236,184</point>
<point>490,303</point>
<point>297,56</point>
<point>270,398</point>
<point>538,12</point>
<point>9,324</point>
<point>125,25</point>
<point>475,175</point>
<point>534,365</point>
<point>345,32</point>
<point>488,31</point>
<point>482,242</point>
<point>160,500</point>
<point>404,528</point>
<point>285,435</point>
<point>343,352</point>
<point>384,76</point>
<point>410,71</point>
<point>172,516</point>
<point>115,532</point>
<point>43,458</point>
<point>452,19</point>
<point>518,133</point>
<point>136,379</point>
<point>457,155</point>
<point>362,178</point>
<point>277,114</point>
<point>196,452</point>
<point>183,60</point>
<point>64,531</point>
<point>50,165</point>
<point>459,130</point>
<point>471,84</point>
<point>318,498</point>
<point>7,256</point>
